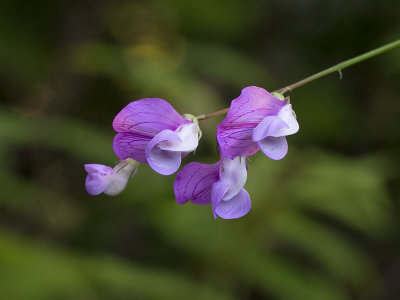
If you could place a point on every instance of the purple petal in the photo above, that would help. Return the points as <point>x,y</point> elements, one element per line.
<point>269,126</point>
<point>97,168</point>
<point>274,147</point>
<point>235,131</point>
<point>127,145</point>
<point>96,180</point>
<point>234,208</point>
<point>194,182</point>
<point>147,117</point>
<point>236,142</point>
<point>217,193</point>
<point>164,162</point>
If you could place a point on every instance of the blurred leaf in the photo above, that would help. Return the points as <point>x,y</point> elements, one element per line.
<point>69,135</point>
<point>32,271</point>
<point>223,65</point>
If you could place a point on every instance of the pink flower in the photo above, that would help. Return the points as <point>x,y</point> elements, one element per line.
<point>221,184</point>
<point>257,120</point>
<point>150,130</point>
<point>107,180</point>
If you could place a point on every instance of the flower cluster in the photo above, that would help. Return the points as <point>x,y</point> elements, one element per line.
<point>151,131</point>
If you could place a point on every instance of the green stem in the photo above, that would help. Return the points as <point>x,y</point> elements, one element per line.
<point>336,68</point>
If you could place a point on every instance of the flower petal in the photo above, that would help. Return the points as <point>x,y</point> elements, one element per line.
<point>233,173</point>
<point>194,182</point>
<point>287,115</point>
<point>234,208</point>
<point>116,184</point>
<point>189,135</point>
<point>164,162</point>
<point>269,126</point>
<point>246,111</point>
<point>236,142</point>
<point>274,147</point>
<point>127,145</point>
<point>97,168</point>
<point>97,178</point>
<point>147,117</point>
<point>218,191</point>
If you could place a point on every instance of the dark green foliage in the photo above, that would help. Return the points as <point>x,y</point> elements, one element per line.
<point>324,220</point>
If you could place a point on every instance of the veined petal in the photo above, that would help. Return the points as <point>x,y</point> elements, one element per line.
<point>236,141</point>
<point>246,111</point>
<point>218,191</point>
<point>97,168</point>
<point>97,178</point>
<point>269,126</point>
<point>287,115</point>
<point>131,145</point>
<point>274,147</point>
<point>233,172</point>
<point>164,162</point>
<point>147,117</point>
<point>234,208</point>
<point>252,106</point>
<point>189,135</point>
<point>194,182</point>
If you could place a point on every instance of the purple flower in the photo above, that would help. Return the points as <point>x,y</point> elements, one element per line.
<point>257,120</point>
<point>221,183</point>
<point>150,130</point>
<point>107,180</point>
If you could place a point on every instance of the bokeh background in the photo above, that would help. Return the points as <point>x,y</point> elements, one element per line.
<point>324,222</point>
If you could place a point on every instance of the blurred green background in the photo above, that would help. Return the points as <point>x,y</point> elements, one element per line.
<point>324,222</point>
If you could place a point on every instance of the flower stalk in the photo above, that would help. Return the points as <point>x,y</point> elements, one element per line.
<point>336,68</point>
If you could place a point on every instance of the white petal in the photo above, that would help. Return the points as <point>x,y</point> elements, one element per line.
<point>287,115</point>
<point>234,173</point>
<point>116,184</point>
<point>118,179</point>
<point>189,134</point>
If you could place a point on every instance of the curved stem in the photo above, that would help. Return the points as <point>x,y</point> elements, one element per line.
<point>336,68</point>
<point>216,113</point>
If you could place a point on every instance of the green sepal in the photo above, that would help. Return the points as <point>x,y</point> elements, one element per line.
<point>278,95</point>
<point>193,119</point>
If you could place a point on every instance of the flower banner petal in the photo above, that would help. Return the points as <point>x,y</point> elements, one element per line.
<point>127,145</point>
<point>194,182</point>
<point>91,168</point>
<point>236,141</point>
<point>148,117</point>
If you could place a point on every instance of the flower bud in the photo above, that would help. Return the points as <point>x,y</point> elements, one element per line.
<point>107,180</point>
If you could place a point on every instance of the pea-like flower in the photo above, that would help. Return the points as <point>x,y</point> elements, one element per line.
<point>257,120</point>
<point>107,180</point>
<point>150,130</point>
<point>221,183</point>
